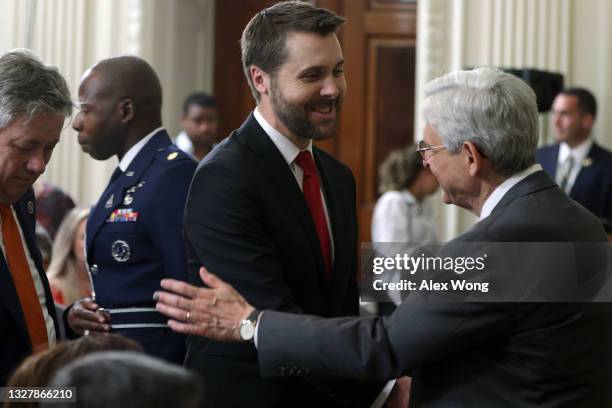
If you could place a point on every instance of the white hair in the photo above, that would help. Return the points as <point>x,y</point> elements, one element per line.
<point>490,108</point>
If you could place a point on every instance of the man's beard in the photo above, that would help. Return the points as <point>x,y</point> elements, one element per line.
<point>296,120</point>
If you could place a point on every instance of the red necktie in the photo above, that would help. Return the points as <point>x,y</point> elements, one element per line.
<point>22,277</point>
<point>312,195</point>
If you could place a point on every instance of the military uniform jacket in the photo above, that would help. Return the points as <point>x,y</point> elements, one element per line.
<point>134,238</point>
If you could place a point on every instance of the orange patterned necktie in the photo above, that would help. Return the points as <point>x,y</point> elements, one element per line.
<point>22,277</point>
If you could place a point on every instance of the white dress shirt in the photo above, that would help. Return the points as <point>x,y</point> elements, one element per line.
<point>184,143</point>
<point>501,190</point>
<point>134,150</point>
<point>38,285</point>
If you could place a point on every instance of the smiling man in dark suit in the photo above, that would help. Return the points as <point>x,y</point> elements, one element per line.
<point>459,353</point>
<point>34,102</point>
<point>580,166</point>
<point>272,212</point>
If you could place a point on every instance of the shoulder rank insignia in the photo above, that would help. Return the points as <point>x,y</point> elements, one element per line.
<point>172,156</point>
<point>109,202</point>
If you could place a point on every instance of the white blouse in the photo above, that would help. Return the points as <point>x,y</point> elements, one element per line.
<point>399,217</point>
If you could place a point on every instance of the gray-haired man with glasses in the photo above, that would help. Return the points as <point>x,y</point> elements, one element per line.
<point>479,142</point>
<point>425,150</point>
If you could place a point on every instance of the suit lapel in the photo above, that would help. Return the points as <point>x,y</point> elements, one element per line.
<point>587,174</point>
<point>530,184</point>
<point>27,220</point>
<point>24,209</point>
<point>339,278</point>
<point>112,198</point>
<point>549,161</point>
<point>274,165</point>
<point>8,296</point>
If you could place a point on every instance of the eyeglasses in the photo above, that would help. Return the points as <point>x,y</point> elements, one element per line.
<point>423,148</point>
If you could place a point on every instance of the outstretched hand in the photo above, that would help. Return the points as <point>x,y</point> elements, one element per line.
<point>214,312</point>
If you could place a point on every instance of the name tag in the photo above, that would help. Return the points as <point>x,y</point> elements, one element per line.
<point>123,215</point>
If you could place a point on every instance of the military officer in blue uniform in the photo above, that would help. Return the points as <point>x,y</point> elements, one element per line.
<point>134,235</point>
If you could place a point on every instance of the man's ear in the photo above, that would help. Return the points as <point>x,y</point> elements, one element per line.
<point>261,80</point>
<point>474,157</point>
<point>587,121</point>
<point>126,110</point>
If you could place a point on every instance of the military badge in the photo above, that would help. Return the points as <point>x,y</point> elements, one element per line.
<point>120,250</point>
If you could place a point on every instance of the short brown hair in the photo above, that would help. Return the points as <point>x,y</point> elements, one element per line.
<point>263,39</point>
<point>37,370</point>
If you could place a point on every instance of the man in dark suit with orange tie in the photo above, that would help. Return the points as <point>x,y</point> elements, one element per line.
<point>34,102</point>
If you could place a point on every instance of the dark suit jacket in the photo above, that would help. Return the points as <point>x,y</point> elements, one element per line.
<point>134,238</point>
<point>247,221</point>
<point>593,185</point>
<point>471,354</point>
<point>15,343</point>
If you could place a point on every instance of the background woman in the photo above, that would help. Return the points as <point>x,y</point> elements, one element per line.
<point>67,272</point>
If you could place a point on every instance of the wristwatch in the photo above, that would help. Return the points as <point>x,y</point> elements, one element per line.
<point>247,326</point>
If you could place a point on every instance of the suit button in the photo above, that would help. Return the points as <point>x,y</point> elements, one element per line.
<point>94,269</point>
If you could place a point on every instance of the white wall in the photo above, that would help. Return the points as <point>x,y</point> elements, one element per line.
<point>176,37</point>
<point>567,36</point>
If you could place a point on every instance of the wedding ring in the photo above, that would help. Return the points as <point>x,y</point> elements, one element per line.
<point>188,317</point>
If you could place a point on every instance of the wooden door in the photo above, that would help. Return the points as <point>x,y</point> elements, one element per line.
<point>379,44</point>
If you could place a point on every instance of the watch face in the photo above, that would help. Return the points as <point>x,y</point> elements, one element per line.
<point>247,330</point>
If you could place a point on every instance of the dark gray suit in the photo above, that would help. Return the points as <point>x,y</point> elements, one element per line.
<point>470,354</point>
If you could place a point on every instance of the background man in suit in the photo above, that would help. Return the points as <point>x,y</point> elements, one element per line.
<point>460,354</point>
<point>274,214</point>
<point>581,167</point>
<point>133,237</point>
<point>200,124</point>
<point>34,102</point>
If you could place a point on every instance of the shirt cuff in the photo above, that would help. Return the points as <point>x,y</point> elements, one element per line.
<point>257,328</point>
<point>384,394</point>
